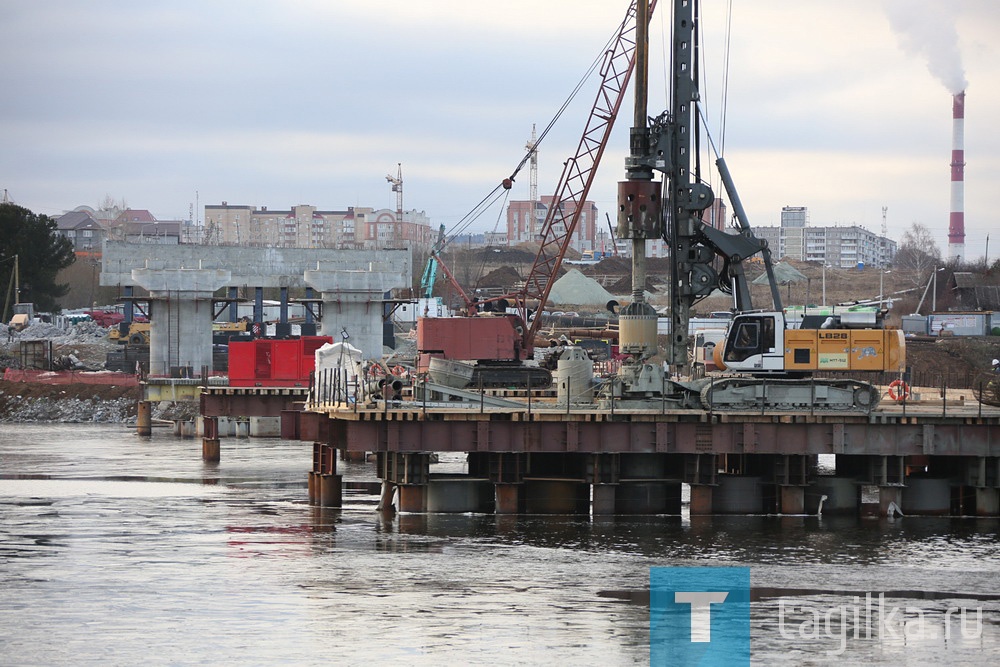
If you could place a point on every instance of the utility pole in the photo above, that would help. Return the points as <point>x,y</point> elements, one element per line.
<point>883,241</point>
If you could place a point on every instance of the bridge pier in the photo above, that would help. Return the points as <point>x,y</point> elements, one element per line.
<point>987,502</point>
<point>603,499</point>
<point>211,448</point>
<point>701,499</point>
<point>792,500</point>
<point>926,496</point>
<point>144,419</point>
<point>508,498</point>
<point>325,484</point>
<point>737,494</point>
<point>459,494</point>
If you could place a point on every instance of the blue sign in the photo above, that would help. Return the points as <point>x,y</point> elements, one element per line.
<point>699,616</point>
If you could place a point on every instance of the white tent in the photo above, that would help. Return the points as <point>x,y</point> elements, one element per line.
<point>338,367</point>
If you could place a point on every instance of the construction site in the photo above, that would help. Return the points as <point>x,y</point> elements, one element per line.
<point>574,385</point>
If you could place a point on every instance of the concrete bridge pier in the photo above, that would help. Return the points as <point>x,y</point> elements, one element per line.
<point>180,335</point>
<point>352,302</point>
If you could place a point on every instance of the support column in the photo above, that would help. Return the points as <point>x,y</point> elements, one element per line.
<point>180,336</point>
<point>211,449</point>
<point>603,499</point>
<point>144,419</point>
<point>413,498</point>
<point>352,302</point>
<point>258,308</point>
<point>330,493</point>
<point>987,502</point>
<point>792,499</point>
<point>234,312</point>
<point>508,498</point>
<point>701,499</point>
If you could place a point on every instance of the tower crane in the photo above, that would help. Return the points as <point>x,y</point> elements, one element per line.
<point>532,148</point>
<point>397,187</point>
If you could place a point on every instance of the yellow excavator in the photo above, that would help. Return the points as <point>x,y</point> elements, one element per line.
<point>137,333</point>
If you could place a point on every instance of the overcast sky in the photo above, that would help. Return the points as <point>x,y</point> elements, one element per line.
<point>841,106</point>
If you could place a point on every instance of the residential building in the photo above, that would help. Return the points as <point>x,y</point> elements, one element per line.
<point>526,220</point>
<point>82,229</point>
<point>844,247</point>
<point>305,226</point>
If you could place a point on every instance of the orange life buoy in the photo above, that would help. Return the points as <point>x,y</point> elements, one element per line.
<point>899,390</point>
<point>399,371</point>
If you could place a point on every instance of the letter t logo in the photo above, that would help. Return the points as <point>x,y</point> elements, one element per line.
<point>701,611</point>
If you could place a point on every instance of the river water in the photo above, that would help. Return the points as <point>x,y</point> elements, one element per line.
<point>119,550</point>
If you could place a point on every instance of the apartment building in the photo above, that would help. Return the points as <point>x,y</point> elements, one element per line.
<point>845,247</point>
<point>306,226</point>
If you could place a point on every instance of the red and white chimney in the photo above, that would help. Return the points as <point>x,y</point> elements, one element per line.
<point>956,221</point>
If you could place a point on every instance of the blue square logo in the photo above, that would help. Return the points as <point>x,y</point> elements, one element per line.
<point>699,616</point>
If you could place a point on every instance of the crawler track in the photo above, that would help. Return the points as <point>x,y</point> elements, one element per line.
<point>738,393</point>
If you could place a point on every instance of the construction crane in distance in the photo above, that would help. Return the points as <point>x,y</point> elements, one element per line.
<point>532,148</point>
<point>397,187</point>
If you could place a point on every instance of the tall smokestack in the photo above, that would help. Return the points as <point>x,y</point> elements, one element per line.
<point>956,222</point>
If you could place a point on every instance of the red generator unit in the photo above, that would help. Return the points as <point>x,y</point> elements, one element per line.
<point>267,362</point>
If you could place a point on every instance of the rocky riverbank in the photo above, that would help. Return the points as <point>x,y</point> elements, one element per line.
<point>70,403</point>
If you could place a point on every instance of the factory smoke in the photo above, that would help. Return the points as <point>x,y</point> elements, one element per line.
<point>928,29</point>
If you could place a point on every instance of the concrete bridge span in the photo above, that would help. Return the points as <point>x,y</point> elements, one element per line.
<point>182,279</point>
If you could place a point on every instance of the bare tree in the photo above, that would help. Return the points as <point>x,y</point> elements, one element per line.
<point>918,253</point>
<point>108,211</point>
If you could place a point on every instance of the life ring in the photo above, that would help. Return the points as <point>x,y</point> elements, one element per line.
<point>399,371</point>
<point>899,390</point>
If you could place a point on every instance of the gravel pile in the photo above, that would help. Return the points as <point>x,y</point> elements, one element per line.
<point>39,403</point>
<point>82,332</point>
